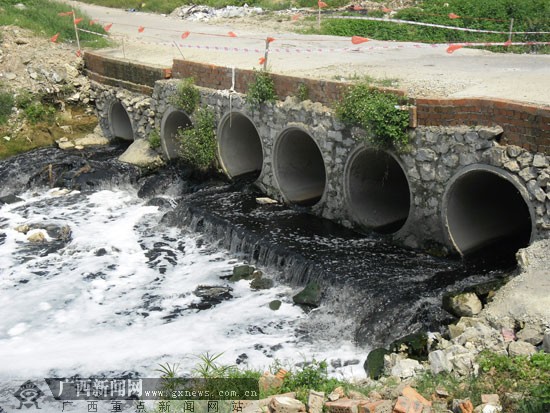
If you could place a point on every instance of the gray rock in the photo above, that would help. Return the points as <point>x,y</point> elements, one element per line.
<point>514,151</point>
<point>309,296</point>
<point>525,159</point>
<point>521,348</point>
<point>140,153</point>
<point>424,154</point>
<point>427,171</point>
<point>531,334</point>
<point>495,156</point>
<point>405,368</point>
<point>242,272</point>
<point>528,173</point>
<point>439,362</point>
<point>546,341</point>
<point>490,132</point>
<point>512,166</point>
<point>275,305</point>
<point>540,161</point>
<point>20,6</point>
<point>260,283</point>
<point>465,304</point>
<point>536,191</point>
<point>9,199</point>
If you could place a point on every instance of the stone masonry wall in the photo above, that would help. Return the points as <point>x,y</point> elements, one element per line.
<point>136,105</point>
<point>436,154</point>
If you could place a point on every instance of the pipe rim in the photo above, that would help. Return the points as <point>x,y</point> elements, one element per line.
<point>169,112</point>
<point>221,124</point>
<point>275,162</point>
<point>347,192</point>
<point>501,173</point>
<point>112,104</point>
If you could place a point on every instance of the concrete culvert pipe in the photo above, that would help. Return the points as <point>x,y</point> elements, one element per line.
<point>121,126</point>
<point>484,206</point>
<point>172,121</point>
<point>239,146</point>
<point>377,191</point>
<point>299,167</point>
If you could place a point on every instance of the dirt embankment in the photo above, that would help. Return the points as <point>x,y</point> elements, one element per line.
<point>38,70</point>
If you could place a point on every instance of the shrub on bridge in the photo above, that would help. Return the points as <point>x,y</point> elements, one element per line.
<point>198,142</point>
<point>378,112</point>
<point>187,96</point>
<point>261,89</point>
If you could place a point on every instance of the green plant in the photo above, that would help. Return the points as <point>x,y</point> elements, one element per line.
<point>303,92</point>
<point>378,112</point>
<point>261,89</point>
<point>187,96</point>
<point>198,142</point>
<point>6,106</point>
<point>312,376</point>
<point>24,98</point>
<point>154,139</point>
<point>208,368</point>
<point>38,112</point>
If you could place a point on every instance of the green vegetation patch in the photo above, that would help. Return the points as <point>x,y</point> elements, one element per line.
<point>6,105</point>
<point>379,113</point>
<point>187,96</point>
<point>261,89</point>
<point>42,17</point>
<point>198,142</point>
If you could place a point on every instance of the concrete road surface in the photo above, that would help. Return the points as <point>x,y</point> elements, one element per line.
<point>421,71</point>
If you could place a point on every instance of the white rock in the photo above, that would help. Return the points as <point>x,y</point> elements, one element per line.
<point>521,348</point>
<point>406,368</point>
<point>140,153</point>
<point>92,140</point>
<point>439,362</point>
<point>283,404</point>
<point>265,201</point>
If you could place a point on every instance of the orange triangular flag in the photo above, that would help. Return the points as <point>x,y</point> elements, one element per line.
<point>270,39</point>
<point>296,17</point>
<point>76,21</point>
<point>322,4</point>
<point>453,48</point>
<point>108,27</point>
<point>357,8</point>
<point>66,13</point>
<point>359,39</point>
<point>508,43</point>
<point>453,16</point>
<point>92,22</point>
<point>185,35</point>
<point>261,60</point>
<point>386,10</point>
<point>141,29</point>
<point>78,53</point>
<point>53,39</point>
<point>231,34</point>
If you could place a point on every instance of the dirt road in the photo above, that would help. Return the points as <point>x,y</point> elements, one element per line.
<point>421,71</point>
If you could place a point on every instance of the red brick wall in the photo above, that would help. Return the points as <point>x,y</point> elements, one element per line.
<point>123,73</point>
<point>524,125</point>
<point>217,77</point>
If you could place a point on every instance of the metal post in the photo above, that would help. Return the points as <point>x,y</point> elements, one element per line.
<point>511,28</point>
<point>76,31</point>
<point>267,41</point>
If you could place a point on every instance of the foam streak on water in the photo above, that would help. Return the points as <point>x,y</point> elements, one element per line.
<point>117,297</point>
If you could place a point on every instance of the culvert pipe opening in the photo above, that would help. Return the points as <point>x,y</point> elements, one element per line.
<point>299,167</point>
<point>483,208</point>
<point>121,126</point>
<point>239,146</point>
<point>172,122</point>
<point>378,191</point>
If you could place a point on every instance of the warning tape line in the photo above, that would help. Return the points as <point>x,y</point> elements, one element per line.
<point>344,49</point>
<point>441,26</point>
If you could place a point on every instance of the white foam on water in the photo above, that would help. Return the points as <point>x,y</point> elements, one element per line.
<point>116,298</point>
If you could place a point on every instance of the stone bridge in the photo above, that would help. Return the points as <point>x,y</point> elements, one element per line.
<point>477,170</point>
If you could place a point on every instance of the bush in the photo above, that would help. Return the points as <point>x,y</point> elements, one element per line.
<point>262,89</point>
<point>24,98</point>
<point>6,106</point>
<point>198,142</point>
<point>377,112</point>
<point>187,96</point>
<point>37,112</point>
<point>154,139</point>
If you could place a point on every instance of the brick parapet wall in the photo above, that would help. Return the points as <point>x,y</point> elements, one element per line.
<point>124,73</point>
<point>524,125</point>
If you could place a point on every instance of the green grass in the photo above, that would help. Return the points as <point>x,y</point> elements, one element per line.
<point>41,17</point>
<point>478,14</point>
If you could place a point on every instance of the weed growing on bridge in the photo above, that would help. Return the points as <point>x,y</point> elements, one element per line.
<point>261,89</point>
<point>379,113</point>
<point>303,92</point>
<point>187,96</point>
<point>198,142</point>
